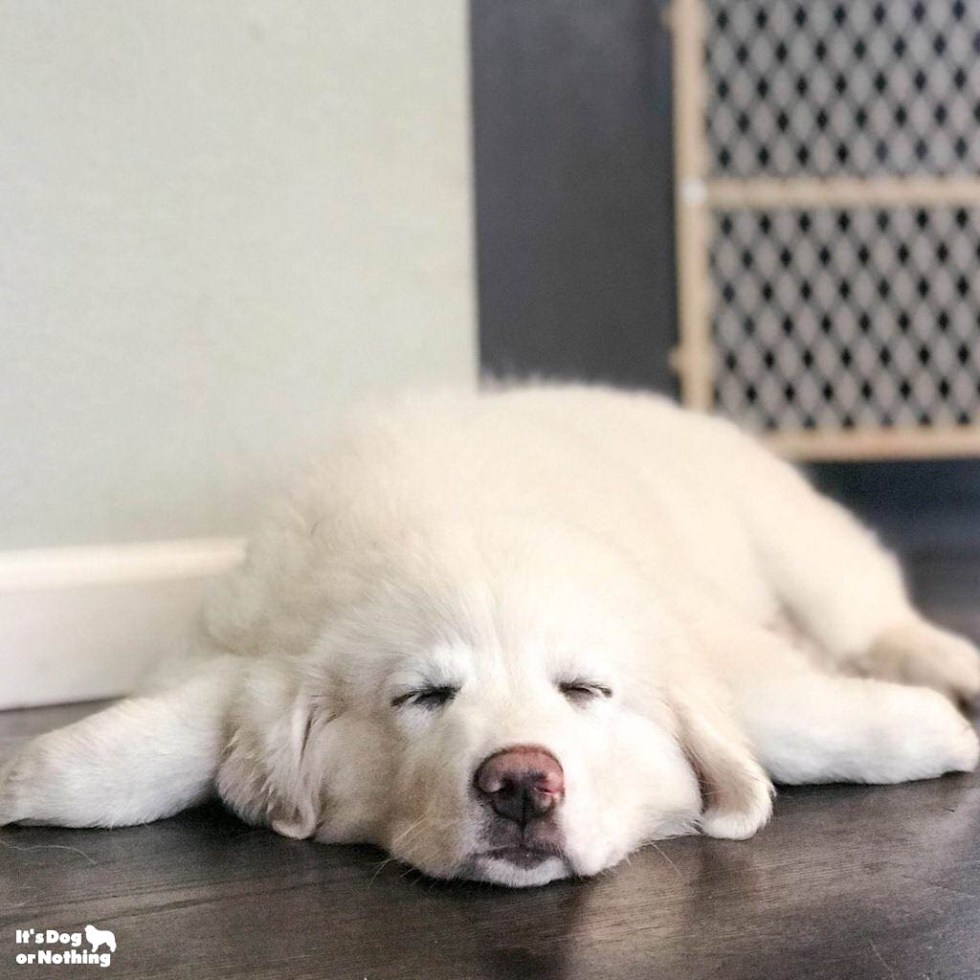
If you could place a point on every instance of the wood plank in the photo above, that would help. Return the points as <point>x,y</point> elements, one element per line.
<point>692,358</point>
<point>843,192</point>
<point>884,443</point>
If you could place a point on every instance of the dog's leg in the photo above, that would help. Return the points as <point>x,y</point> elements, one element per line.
<point>140,760</point>
<point>846,592</point>
<point>811,727</point>
<point>916,652</point>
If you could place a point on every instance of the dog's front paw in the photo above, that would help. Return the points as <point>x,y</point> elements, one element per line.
<point>946,738</point>
<point>15,778</point>
<point>921,735</point>
<point>916,652</point>
<point>36,785</point>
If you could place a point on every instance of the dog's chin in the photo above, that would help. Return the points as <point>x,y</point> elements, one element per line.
<point>517,867</point>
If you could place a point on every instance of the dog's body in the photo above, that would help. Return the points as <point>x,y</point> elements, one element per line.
<point>513,636</point>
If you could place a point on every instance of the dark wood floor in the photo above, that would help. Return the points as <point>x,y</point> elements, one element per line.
<point>845,882</point>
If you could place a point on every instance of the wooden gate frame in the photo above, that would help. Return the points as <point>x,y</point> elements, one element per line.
<point>697,195</point>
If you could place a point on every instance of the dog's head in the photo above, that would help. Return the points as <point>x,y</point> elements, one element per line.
<point>515,720</point>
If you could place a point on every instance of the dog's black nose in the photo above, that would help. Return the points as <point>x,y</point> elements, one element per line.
<point>523,783</point>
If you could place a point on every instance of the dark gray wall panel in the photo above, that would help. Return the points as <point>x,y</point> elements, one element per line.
<point>574,188</point>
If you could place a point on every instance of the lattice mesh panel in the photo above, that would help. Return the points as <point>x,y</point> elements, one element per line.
<point>845,318</point>
<point>811,87</point>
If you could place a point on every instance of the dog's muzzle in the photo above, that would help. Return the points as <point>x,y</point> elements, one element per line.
<point>524,787</point>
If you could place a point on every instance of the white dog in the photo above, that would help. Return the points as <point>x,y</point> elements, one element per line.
<point>100,937</point>
<point>513,636</point>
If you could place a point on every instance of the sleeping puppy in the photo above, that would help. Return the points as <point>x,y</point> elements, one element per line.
<point>513,636</point>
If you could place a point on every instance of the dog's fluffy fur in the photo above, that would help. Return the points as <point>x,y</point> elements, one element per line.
<point>643,593</point>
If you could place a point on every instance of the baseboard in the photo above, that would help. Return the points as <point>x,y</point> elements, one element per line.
<point>78,624</point>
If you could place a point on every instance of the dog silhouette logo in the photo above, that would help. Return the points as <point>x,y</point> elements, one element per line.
<point>100,937</point>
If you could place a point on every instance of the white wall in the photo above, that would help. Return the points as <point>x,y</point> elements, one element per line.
<point>219,222</point>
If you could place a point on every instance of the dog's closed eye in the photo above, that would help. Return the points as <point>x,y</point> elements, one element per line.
<point>429,697</point>
<point>580,691</point>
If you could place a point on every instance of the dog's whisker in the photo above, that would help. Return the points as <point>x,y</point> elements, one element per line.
<point>665,856</point>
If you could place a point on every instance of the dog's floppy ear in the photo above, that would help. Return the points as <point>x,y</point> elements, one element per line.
<point>265,774</point>
<point>142,759</point>
<point>736,791</point>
